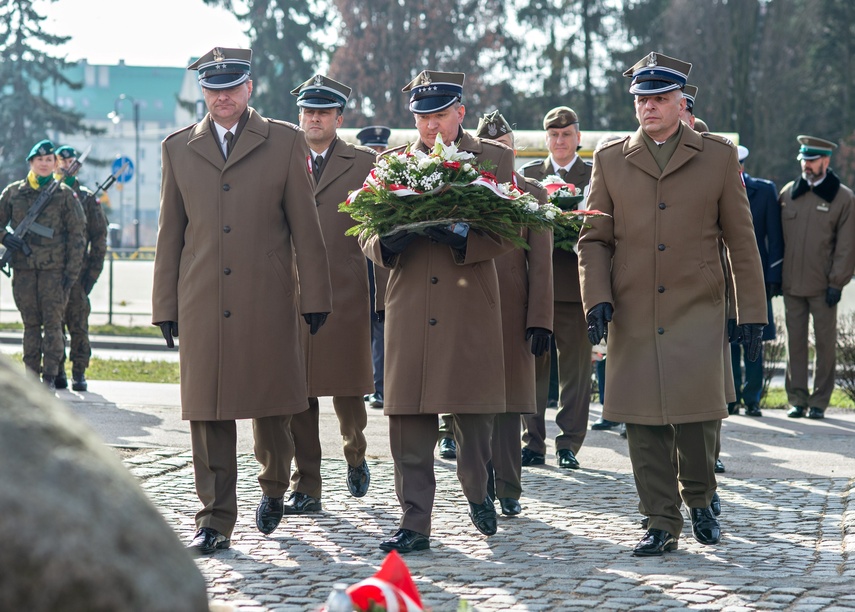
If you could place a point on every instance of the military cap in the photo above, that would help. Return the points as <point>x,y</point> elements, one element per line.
<point>814,148</point>
<point>321,92</point>
<point>43,147</point>
<point>493,125</point>
<point>656,73</point>
<point>690,92</point>
<point>66,152</point>
<point>431,92</point>
<point>374,136</point>
<point>560,117</point>
<point>741,153</point>
<point>222,68</point>
<point>701,125</point>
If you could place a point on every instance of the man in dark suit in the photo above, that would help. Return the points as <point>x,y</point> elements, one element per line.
<point>236,219</point>
<point>766,213</point>
<point>574,354</point>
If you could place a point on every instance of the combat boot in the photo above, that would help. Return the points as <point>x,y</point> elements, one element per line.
<point>78,382</point>
<point>49,381</point>
<point>61,381</point>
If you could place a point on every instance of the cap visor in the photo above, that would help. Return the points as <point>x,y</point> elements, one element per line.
<point>223,81</point>
<point>318,103</point>
<point>648,88</point>
<point>433,104</point>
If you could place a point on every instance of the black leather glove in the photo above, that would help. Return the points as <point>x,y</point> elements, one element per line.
<point>87,282</point>
<point>397,242</point>
<point>773,290</point>
<point>169,329</point>
<point>315,320</point>
<point>598,322</point>
<point>832,296</point>
<point>733,332</point>
<point>15,243</point>
<point>441,233</point>
<point>381,316</point>
<point>539,340</point>
<point>751,338</point>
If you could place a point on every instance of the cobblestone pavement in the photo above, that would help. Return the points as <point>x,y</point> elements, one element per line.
<point>789,544</point>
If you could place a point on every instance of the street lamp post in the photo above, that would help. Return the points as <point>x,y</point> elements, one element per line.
<point>115,116</point>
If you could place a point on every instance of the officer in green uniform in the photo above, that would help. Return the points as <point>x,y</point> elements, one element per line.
<point>77,311</point>
<point>46,262</point>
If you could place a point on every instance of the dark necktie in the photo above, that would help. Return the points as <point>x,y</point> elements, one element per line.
<point>563,172</point>
<point>318,167</point>
<point>230,137</point>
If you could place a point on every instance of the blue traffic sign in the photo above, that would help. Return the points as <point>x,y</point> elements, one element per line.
<point>128,173</point>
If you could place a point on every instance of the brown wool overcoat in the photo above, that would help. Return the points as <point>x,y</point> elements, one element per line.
<point>338,357</point>
<point>525,287</point>
<point>443,316</point>
<point>657,261</point>
<point>224,267</point>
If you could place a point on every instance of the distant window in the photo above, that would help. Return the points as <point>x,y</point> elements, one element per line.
<point>89,75</point>
<point>103,76</point>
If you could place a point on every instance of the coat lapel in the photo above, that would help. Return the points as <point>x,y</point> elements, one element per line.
<point>341,160</point>
<point>690,144</point>
<point>636,153</point>
<point>253,134</point>
<point>204,142</point>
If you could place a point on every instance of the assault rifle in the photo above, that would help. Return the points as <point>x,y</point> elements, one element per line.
<point>28,223</point>
<point>108,182</point>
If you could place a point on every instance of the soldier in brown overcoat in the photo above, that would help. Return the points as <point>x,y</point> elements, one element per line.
<point>236,219</point>
<point>652,281</point>
<point>526,290</point>
<point>338,361</point>
<point>443,332</point>
<point>818,219</point>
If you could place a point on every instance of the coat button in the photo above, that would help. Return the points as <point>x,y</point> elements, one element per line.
<point>661,247</point>
<point>226,187</point>
<point>661,205</point>
<point>661,289</point>
<point>660,331</point>
<point>226,229</point>
<point>227,271</point>
<point>227,313</point>
<point>432,321</point>
<point>434,280</point>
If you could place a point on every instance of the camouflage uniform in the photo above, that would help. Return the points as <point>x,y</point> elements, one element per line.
<point>38,280</point>
<point>77,310</point>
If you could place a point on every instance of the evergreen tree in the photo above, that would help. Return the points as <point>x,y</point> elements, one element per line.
<point>26,116</point>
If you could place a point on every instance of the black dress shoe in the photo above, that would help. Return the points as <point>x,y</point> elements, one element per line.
<point>406,540</point>
<point>78,382</point>
<point>733,408</point>
<point>567,460</point>
<point>529,457</point>
<point>484,516</point>
<point>796,412</point>
<point>816,413</point>
<point>705,526</point>
<point>268,514</point>
<point>654,543</point>
<point>753,410</point>
<point>208,540</point>
<point>715,504</point>
<point>61,380</point>
<point>601,424</point>
<point>510,506</point>
<point>719,467</point>
<point>447,448</point>
<point>300,503</point>
<point>375,400</point>
<point>358,479</point>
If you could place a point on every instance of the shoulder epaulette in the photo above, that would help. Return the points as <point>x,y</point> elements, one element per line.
<point>611,143</point>
<point>717,138</point>
<point>181,131</point>
<point>536,162</point>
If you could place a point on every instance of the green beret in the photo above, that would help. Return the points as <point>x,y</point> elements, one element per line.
<point>560,117</point>
<point>66,152</point>
<point>43,147</point>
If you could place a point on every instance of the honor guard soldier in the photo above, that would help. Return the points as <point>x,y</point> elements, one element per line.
<point>654,285</point>
<point>45,261</point>
<point>376,137</point>
<point>526,295</point>
<point>423,378</point>
<point>819,256</point>
<point>574,355</point>
<point>338,361</point>
<point>77,311</point>
<point>237,219</point>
